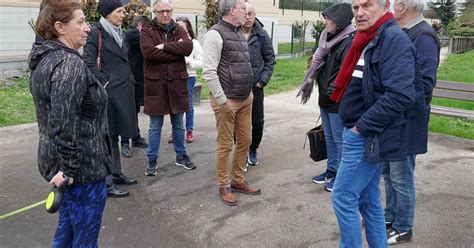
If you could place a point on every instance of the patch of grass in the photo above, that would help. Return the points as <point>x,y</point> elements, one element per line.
<point>460,104</point>
<point>204,90</point>
<point>452,126</point>
<point>297,47</point>
<point>287,75</point>
<point>16,102</point>
<point>458,68</point>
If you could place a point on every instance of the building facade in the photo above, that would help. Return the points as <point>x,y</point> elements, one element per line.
<point>17,36</point>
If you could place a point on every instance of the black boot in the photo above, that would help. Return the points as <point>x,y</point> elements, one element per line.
<point>139,142</point>
<point>113,191</point>
<point>126,151</point>
<point>122,179</point>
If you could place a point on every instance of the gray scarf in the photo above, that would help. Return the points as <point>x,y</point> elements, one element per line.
<point>318,60</point>
<point>115,31</point>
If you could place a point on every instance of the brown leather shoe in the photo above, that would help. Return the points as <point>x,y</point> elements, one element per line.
<point>244,189</point>
<point>227,197</point>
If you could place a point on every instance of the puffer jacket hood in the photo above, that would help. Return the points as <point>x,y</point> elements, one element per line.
<point>341,14</point>
<point>41,49</point>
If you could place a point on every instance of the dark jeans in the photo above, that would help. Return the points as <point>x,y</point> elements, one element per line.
<point>257,117</point>
<point>125,140</point>
<point>190,113</point>
<point>333,128</point>
<point>154,135</point>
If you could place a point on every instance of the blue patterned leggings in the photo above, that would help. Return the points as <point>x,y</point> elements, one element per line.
<point>80,215</point>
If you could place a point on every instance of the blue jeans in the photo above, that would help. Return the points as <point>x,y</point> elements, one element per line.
<point>400,193</point>
<point>356,192</point>
<point>190,113</point>
<point>154,135</point>
<point>80,215</point>
<point>332,126</point>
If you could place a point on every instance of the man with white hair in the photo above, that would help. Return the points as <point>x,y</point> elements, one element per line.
<point>375,88</point>
<point>399,175</point>
<point>228,74</point>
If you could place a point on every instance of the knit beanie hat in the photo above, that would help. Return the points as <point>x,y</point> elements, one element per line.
<point>108,6</point>
<point>339,13</point>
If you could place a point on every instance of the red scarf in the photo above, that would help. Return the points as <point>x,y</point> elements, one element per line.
<point>361,39</point>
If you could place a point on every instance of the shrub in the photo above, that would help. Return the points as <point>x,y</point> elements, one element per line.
<point>211,13</point>
<point>464,25</point>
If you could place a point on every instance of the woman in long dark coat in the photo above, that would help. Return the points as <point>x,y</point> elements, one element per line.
<point>105,54</point>
<point>135,57</point>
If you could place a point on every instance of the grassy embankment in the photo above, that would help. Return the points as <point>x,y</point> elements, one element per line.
<point>16,106</point>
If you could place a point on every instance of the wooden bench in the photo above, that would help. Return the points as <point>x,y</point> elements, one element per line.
<point>453,90</point>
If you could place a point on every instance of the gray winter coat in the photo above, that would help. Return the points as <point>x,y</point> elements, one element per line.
<point>71,109</point>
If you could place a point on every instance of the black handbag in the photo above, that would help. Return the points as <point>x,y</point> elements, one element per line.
<point>317,143</point>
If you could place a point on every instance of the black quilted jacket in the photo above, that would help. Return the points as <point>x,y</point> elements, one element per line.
<point>71,108</point>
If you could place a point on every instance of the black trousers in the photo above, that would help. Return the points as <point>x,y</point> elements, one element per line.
<point>124,140</point>
<point>257,117</point>
<point>116,163</point>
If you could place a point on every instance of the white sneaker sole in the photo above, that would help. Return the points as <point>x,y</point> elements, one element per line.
<point>182,165</point>
<point>321,182</point>
<point>151,174</point>
<point>250,163</point>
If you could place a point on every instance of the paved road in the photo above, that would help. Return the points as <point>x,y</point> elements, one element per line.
<point>181,208</point>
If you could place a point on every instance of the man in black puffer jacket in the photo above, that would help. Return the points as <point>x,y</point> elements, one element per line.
<point>262,58</point>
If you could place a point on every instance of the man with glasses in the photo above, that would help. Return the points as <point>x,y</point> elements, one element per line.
<point>228,74</point>
<point>164,46</point>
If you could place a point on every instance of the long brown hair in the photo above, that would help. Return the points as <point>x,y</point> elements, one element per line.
<point>189,27</point>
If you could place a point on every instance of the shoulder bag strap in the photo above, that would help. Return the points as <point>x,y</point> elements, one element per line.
<point>99,49</point>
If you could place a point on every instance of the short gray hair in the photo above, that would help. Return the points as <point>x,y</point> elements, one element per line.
<point>225,5</point>
<point>139,19</point>
<point>381,3</point>
<point>162,1</point>
<point>417,6</point>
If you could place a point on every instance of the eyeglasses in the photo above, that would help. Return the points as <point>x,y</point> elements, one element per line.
<point>162,11</point>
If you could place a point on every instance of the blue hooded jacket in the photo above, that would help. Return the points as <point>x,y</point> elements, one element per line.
<point>388,92</point>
